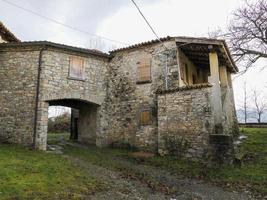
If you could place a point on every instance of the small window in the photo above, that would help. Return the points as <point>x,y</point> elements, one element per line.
<point>145,118</point>
<point>77,69</point>
<point>144,71</point>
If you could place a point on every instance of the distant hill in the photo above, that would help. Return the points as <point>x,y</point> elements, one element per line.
<point>240,116</point>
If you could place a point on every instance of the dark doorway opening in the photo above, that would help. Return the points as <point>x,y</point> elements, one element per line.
<point>82,121</point>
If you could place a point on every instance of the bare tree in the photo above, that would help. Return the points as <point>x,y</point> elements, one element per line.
<point>260,105</point>
<point>100,45</point>
<point>245,106</point>
<point>248,33</point>
<point>216,33</point>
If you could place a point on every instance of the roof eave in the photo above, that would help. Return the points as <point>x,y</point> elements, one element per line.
<point>56,45</point>
<point>219,42</point>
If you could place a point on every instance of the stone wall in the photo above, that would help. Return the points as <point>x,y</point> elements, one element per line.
<point>126,98</point>
<point>185,121</point>
<point>110,99</point>
<point>18,77</point>
<point>56,85</point>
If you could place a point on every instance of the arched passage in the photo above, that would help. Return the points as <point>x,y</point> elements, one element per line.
<point>84,121</point>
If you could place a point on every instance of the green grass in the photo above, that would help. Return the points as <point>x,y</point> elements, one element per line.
<point>54,138</point>
<point>101,157</point>
<point>27,174</point>
<point>252,174</point>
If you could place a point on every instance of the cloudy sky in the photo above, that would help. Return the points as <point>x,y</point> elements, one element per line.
<point>119,21</point>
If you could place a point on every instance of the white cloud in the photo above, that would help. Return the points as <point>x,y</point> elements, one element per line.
<point>171,17</point>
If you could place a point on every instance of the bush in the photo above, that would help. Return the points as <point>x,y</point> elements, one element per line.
<point>60,123</point>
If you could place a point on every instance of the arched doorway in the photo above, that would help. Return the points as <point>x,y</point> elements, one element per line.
<point>83,121</point>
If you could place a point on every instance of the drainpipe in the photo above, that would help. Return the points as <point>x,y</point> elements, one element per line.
<point>166,72</point>
<point>37,95</point>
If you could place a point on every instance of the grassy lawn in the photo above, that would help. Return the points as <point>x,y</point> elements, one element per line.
<point>54,138</point>
<point>251,175</point>
<point>27,174</point>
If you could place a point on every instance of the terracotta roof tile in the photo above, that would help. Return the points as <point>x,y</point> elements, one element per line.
<point>187,87</point>
<point>142,44</point>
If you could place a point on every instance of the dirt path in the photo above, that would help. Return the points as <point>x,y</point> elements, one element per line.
<point>148,182</point>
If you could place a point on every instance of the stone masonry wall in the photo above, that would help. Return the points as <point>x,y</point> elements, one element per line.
<point>18,76</point>
<point>57,85</point>
<point>185,122</point>
<point>126,98</point>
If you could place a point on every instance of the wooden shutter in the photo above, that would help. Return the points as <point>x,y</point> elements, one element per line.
<point>145,117</point>
<point>144,70</point>
<point>77,69</point>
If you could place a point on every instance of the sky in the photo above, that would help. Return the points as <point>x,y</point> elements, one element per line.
<point>120,21</point>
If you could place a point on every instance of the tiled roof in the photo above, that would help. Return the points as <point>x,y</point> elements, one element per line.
<point>143,44</point>
<point>7,34</point>
<point>185,41</point>
<point>187,87</point>
<point>56,45</point>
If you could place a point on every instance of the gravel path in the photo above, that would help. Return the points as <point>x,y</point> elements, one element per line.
<point>145,182</point>
<point>171,187</point>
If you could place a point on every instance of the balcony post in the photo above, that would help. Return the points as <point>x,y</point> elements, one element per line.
<point>216,102</point>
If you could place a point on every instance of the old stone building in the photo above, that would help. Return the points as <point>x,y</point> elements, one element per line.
<point>162,96</point>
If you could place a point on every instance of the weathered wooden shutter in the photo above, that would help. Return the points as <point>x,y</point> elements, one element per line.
<point>77,69</point>
<point>144,70</point>
<point>145,117</point>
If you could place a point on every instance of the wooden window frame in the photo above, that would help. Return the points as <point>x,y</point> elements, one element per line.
<point>149,122</point>
<point>146,62</point>
<point>70,74</point>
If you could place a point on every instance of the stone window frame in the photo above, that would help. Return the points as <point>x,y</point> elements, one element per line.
<point>73,77</point>
<point>138,64</point>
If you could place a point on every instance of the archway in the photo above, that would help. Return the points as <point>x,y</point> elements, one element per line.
<point>83,120</point>
<point>59,125</point>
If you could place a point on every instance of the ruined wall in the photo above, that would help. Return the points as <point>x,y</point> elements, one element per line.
<point>18,76</point>
<point>185,121</point>
<point>126,98</point>
<point>55,84</point>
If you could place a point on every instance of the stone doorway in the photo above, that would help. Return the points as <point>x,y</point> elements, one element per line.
<point>83,121</point>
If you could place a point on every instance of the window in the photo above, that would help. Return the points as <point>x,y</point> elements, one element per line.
<point>77,70</point>
<point>145,117</point>
<point>144,71</point>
